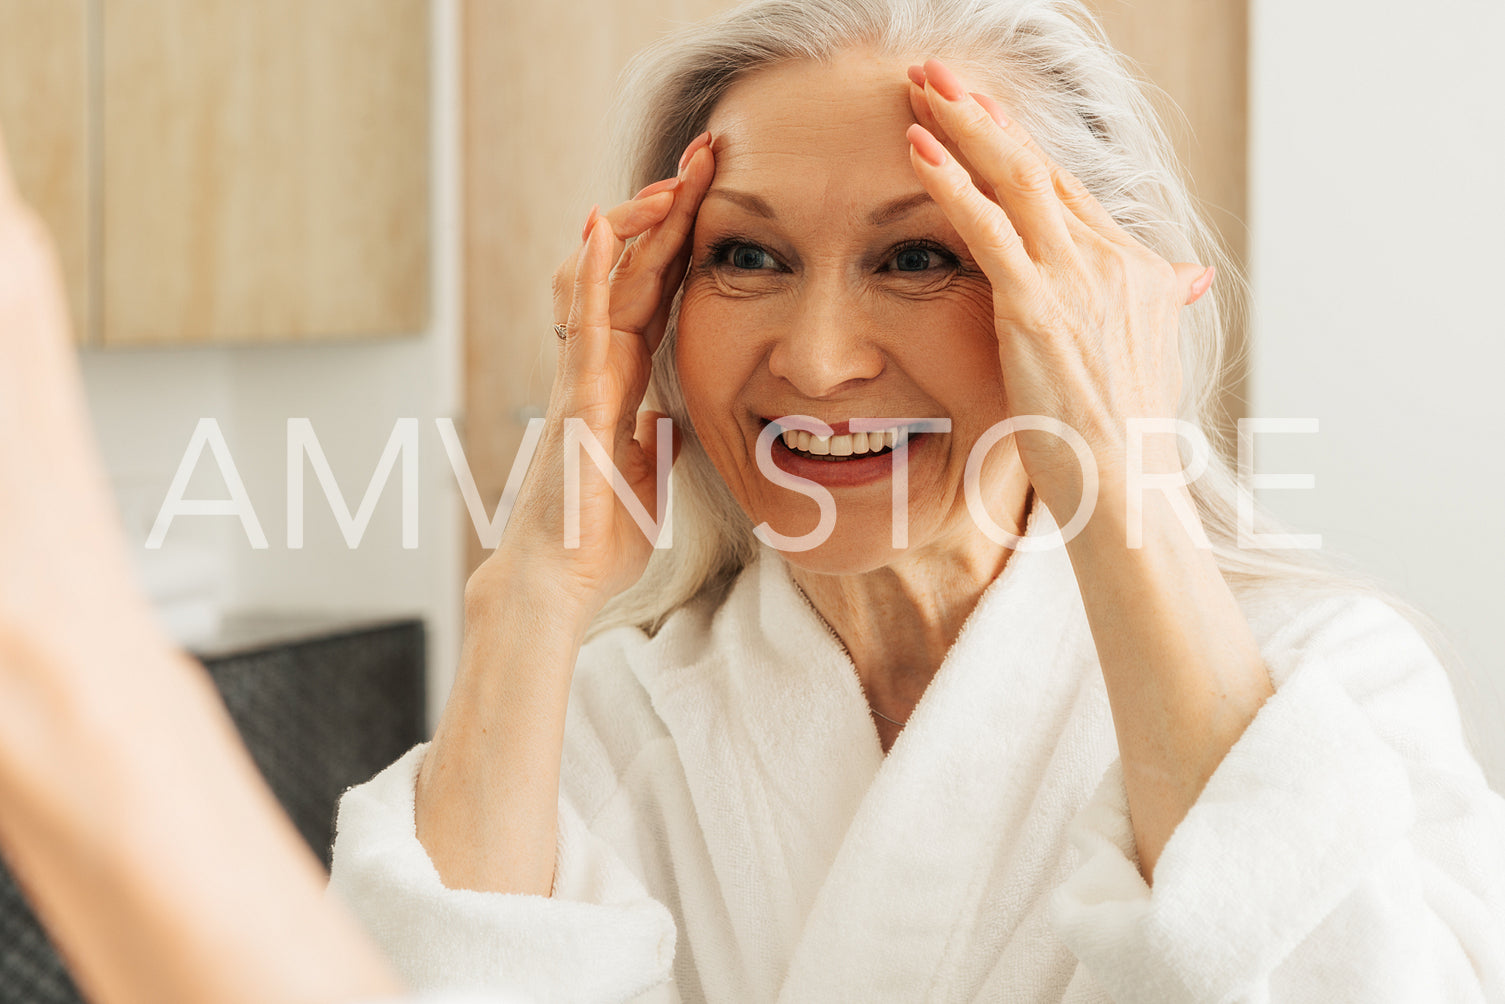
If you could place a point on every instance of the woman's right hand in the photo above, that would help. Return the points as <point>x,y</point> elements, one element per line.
<point>486,796</point>
<point>613,298</point>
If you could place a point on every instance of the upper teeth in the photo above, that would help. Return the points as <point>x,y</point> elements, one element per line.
<point>843,445</point>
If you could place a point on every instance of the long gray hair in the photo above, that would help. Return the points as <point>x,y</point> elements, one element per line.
<point>1076,95</point>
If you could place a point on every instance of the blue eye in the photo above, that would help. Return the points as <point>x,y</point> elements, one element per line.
<point>741,255</point>
<point>921,257</point>
<point>913,259</point>
<point>747,256</point>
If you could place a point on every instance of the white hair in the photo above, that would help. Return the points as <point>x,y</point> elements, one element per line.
<point>1078,97</point>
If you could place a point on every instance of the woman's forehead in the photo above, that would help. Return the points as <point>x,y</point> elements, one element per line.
<point>807,122</point>
<point>799,101</point>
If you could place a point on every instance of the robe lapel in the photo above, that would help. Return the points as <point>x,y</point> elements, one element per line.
<point>954,796</point>
<point>778,752</point>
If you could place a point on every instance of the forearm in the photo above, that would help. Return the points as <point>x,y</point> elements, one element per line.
<point>487,798</point>
<point>1182,669</point>
<point>151,848</point>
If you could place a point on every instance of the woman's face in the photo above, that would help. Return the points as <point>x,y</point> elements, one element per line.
<point>825,282</point>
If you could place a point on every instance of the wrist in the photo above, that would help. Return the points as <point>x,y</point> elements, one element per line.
<point>507,584</point>
<point>1163,519</point>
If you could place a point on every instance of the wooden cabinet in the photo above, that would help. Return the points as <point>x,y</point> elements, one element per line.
<point>264,169</point>
<point>44,84</point>
<point>227,170</point>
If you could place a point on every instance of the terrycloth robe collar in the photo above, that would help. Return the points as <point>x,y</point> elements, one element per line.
<point>846,869</point>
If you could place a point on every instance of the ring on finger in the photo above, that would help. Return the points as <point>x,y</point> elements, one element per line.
<point>559,329</point>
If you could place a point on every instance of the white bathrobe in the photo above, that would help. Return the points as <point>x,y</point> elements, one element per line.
<point>731,831</point>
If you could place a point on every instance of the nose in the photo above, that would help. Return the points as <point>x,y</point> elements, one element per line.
<point>827,346</point>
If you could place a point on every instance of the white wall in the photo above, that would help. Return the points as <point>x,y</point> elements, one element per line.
<point>1376,218</point>
<point>146,403</point>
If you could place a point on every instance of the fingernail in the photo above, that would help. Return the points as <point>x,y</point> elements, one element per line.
<point>667,185</point>
<point>926,145</point>
<point>917,75</point>
<point>590,221</point>
<point>704,139</point>
<point>992,107</point>
<point>946,83</point>
<point>1205,282</point>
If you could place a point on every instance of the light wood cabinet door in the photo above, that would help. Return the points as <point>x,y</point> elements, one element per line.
<point>264,169</point>
<point>44,84</point>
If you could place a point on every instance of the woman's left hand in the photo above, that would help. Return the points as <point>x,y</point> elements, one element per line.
<point>1086,319</point>
<point>1086,316</point>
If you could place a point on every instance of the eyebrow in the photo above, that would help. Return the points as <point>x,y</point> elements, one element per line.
<point>886,213</point>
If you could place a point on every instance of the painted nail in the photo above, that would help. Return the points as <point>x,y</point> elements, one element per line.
<point>926,145</point>
<point>917,75</point>
<point>590,221</point>
<point>667,185</point>
<point>704,139</point>
<point>992,107</point>
<point>1205,282</point>
<point>946,83</point>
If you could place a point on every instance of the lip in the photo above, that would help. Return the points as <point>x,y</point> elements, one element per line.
<point>840,428</point>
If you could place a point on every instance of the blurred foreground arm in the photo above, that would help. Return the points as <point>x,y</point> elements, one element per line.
<point>133,817</point>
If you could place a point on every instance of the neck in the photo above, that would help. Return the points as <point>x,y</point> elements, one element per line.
<point>898,621</point>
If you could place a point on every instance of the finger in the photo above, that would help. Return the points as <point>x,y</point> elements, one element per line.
<point>644,279</point>
<point>625,222</point>
<point>919,103</point>
<point>1069,189</point>
<point>638,303</point>
<point>653,333</point>
<point>1020,181</point>
<point>588,331</point>
<point>1195,279</point>
<point>1085,214</point>
<point>629,219</point>
<point>1084,208</point>
<point>646,435</point>
<point>985,227</point>
<point>635,216</point>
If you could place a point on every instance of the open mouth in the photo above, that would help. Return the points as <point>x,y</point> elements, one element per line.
<point>845,446</point>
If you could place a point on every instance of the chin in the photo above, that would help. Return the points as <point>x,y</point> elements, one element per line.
<point>860,541</point>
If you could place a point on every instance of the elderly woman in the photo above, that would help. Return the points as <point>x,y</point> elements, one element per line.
<point>954,682</point>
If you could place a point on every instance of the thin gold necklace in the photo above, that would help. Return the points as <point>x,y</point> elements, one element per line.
<point>840,644</point>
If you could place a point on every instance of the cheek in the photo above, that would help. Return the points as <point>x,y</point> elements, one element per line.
<point>695,357</point>
<point>716,350</point>
<point>959,358</point>
<point>712,377</point>
<point>711,354</point>
<point>972,305</point>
